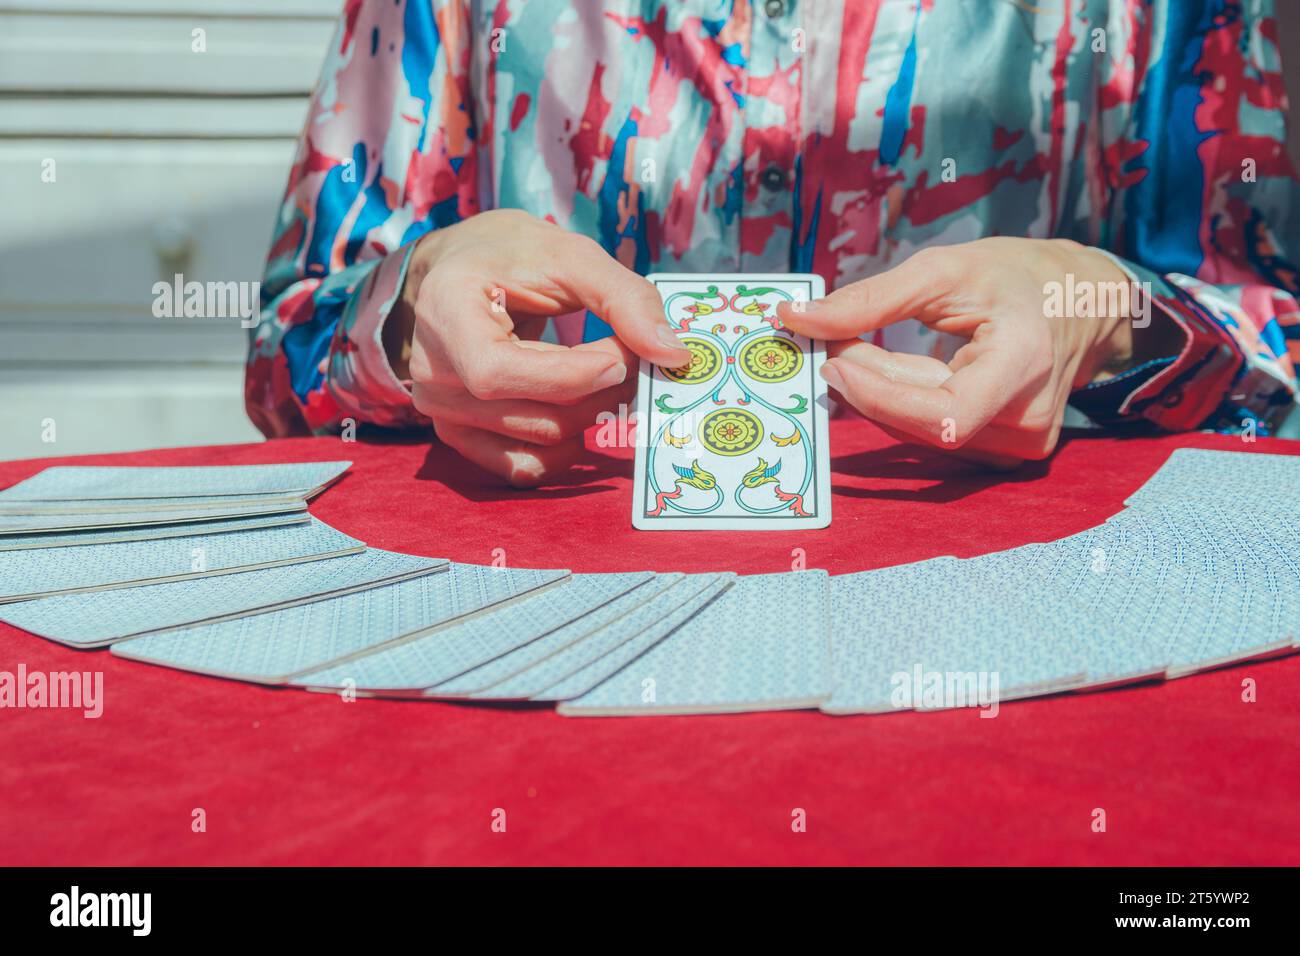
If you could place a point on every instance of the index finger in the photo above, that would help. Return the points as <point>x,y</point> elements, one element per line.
<point>492,364</point>
<point>628,302</point>
<point>902,292</point>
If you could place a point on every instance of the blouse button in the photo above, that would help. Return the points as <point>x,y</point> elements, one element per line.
<point>774,178</point>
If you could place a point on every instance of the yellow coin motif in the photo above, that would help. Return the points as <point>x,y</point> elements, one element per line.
<point>731,431</point>
<point>704,364</point>
<point>771,359</point>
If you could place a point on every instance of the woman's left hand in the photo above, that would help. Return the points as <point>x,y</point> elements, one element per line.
<point>1002,397</point>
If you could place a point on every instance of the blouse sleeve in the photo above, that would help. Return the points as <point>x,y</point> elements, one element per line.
<point>1205,207</point>
<point>386,155</point>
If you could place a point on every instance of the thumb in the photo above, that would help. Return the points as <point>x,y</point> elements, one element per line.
<point>900,293</point>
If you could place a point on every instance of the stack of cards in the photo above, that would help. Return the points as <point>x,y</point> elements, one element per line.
<point>1182,580</point>
<point>74,506</point>
<point>91,556</point>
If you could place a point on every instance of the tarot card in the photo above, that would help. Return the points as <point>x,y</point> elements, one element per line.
<point>68,523</point>
<point>441,651</point>
<point>225,504</point>
<point>560,639</point>
<point>97,618</point>
<point>77,482</point>
<point>274,647</point>
<point>1256,480</point>
<point>736,439</point>
<point>25,542</point>
<point>938,634</point>
<point>764,644</point>
<point>579,668</point>
<point>45,572</point>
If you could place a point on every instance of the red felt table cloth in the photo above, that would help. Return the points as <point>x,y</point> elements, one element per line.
<point>1187,772</point>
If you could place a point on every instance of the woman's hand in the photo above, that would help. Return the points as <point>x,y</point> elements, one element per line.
<point>1002,397</point>
<point>476,297</point>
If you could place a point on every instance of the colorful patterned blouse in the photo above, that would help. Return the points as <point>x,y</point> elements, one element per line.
<point>835,136</point>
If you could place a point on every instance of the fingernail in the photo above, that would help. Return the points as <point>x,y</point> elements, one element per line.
<point>612,376</point>
<point>833,378</point>
<point>668,338</point>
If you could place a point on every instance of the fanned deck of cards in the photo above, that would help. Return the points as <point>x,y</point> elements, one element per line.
<point>1184,579</point>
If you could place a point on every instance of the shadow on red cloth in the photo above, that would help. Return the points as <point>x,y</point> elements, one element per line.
<point>953,478</point>
<point>473,483</point>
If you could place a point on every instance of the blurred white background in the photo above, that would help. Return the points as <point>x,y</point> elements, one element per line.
<point>165,160</point>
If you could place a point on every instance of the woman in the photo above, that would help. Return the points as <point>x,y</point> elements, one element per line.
<point>480,186</point>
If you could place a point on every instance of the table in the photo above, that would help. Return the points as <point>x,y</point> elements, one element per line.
<point>1187,772</point>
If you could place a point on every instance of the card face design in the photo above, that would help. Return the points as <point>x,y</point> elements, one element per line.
<point>736,439</point>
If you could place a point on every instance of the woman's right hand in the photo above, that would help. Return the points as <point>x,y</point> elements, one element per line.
<point>476,297</point>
